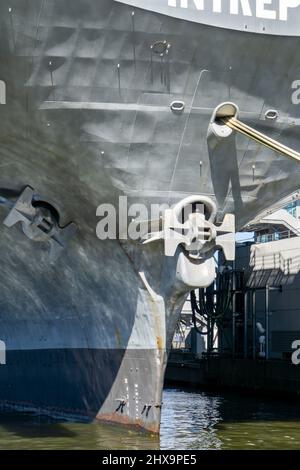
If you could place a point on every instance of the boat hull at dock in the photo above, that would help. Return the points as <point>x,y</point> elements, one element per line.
<point>86,114</point>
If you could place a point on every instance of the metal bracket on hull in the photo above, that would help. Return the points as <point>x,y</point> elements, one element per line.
<point>40,222</point>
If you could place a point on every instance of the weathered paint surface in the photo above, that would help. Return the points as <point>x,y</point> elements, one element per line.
<point>82,131</point>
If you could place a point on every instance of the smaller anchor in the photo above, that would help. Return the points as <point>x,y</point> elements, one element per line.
<point>40,222</point>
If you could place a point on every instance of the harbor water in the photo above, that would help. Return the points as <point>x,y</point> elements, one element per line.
<point>190,421</point>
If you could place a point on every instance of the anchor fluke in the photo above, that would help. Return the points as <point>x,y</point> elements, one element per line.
<point>40,222</point>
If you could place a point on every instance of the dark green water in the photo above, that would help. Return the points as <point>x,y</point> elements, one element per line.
<point>190,421</point>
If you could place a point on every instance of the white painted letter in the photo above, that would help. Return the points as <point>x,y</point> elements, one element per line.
<point>217,6</point>
<point>261,12</point>
<point>199,4</point>
<point>234,7</point>
<point>284,5</point>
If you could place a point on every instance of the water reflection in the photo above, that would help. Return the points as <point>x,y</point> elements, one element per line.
<point>226,421</point>
<point>190,420</point>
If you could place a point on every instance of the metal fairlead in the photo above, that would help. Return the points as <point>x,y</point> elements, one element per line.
<point>40,222</point>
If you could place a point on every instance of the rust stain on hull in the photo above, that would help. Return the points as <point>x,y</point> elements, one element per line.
<point>138,424</point>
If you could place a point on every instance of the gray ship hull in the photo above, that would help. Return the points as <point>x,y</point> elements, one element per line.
<point>85,119</point>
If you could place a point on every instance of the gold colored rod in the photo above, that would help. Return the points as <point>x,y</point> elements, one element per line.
<point>262,139</point>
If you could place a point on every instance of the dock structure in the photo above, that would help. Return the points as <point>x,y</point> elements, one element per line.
<point>244,332</point>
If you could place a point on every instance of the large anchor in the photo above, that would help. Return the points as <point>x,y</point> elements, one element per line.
<point>40,222</point>
<point>190,227</point>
